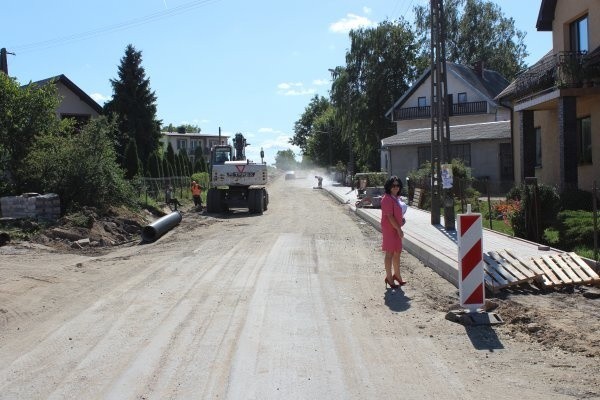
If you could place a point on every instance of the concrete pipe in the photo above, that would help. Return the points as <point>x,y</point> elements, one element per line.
<point>161,226</point>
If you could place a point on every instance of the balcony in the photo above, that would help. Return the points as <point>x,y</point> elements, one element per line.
<point>467,108</point>
<point>562,70</point>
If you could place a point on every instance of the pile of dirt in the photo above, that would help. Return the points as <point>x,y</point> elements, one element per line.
<point>92,230</point>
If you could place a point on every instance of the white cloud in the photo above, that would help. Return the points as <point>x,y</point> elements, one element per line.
<point>320,82</point>
<point>289,85</point>
<point>351,21</point>
<point>367,10</point>
<point>293,89</point>
<point>294,92</point>
<point>99,98</point>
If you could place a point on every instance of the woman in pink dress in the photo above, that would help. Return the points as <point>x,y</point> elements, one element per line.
<point>391,229</point>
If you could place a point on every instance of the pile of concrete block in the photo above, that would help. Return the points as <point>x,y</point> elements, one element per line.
<point>31,205</point>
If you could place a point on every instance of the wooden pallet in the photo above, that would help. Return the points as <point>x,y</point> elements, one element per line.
<point>417,200</point>
<point>504,269</point>
<point>566,269</point>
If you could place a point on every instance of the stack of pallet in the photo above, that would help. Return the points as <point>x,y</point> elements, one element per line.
<point>504,269</point>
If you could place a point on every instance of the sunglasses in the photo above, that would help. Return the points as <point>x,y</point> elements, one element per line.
<point>395,185</point>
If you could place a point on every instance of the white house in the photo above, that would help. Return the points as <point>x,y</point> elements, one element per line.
<point>188,142</point>
<point>480,129</point>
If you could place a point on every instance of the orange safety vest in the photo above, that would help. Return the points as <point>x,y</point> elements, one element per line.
<point>196,190</point>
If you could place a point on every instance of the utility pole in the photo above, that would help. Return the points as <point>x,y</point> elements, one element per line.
<point>4,60</point>
<point>349,127</point>
<point>440,124</point>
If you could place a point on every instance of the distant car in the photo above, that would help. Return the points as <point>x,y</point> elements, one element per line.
<point>290,175</point>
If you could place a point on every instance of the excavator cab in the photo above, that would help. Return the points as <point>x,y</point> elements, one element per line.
<point>220,155</point>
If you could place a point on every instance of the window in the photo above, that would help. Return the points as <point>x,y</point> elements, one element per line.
<point>462,98</point>
<point>538,147</point>
<point>506,162</point>
<point>422,101</point>
<point>462,152</point>
<point>584,138</point>
<point>579,34</point>
<point>424,155</point>
<point>181,144</point>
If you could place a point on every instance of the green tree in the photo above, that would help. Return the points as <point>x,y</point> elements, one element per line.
<point>80,167</point>
<point>134,104</point>
<point>184,128</point>
<point>167,168</point>
<point>380,66</point>
<point>170,158</point>
<point>476,30</point>
<point>325,146</point>
<point>26,113</point>
<point>303,128</point>
<point>199,163</point>
<point>185,162</point>
<point>285,159</point>
<point>133,165</point>
<point>154,165</point>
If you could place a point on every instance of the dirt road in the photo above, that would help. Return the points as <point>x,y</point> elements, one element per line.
<point>289,305</point>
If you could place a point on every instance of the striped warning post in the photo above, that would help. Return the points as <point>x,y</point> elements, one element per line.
<point>470,259</point>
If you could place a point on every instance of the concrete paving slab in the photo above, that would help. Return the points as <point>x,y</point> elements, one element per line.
<point>433,245</point>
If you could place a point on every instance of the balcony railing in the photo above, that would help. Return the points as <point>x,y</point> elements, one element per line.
<point>473,107</point>
<point>567,69</point>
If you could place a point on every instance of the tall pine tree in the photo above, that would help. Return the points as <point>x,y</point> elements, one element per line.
<point>134,104</point>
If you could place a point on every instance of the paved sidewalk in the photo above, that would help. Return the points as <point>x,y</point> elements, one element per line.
<point>433,244</point>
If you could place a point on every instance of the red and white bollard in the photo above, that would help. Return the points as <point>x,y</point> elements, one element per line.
<point>470,261</point>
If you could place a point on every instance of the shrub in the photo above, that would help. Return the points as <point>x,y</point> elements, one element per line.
<point>203,179</point>
<point>576,200</point>
<point>529,222</point>
<point>576,228</point>
<point>505,210</point>
<point>80,167</point>
<point>373,178</point>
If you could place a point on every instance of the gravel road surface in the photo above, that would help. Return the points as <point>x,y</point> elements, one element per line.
<point>287,305</point>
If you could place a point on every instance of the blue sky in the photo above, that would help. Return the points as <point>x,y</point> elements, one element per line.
<point>244,66</point>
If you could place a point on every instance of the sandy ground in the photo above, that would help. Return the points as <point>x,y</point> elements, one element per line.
<point>290,304</point>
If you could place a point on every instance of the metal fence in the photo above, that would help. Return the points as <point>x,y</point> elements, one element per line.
<point>156,188</point>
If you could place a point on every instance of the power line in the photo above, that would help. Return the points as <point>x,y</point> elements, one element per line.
<point>44,44</point>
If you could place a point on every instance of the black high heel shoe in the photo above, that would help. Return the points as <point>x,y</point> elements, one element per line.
<point>392,284</point>
<point>400,281</point>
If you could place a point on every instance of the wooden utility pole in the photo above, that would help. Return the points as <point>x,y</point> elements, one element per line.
<point>4,60</point>
<point>440,124</point>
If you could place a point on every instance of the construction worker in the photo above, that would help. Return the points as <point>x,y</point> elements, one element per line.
<point>170,198</point>
<point>196,194</point>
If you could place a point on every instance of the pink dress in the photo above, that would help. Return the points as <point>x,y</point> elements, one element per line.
<point>391,240</point>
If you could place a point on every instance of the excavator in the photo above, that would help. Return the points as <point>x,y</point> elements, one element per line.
<point>236,182</point>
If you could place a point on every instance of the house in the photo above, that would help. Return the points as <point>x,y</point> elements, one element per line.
<point>75,103</point>
<point>556,102</point>
<point>480,131</point>
<point>188,142</point>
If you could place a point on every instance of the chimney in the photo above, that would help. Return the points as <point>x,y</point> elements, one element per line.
<point>478,67</point>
